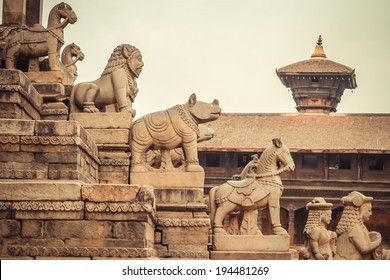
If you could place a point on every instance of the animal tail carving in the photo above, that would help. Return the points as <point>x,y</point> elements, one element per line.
<point>212,205</point>
<point>72,103</point>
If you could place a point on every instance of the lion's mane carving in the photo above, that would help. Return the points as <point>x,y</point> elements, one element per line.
<point>117,84</point>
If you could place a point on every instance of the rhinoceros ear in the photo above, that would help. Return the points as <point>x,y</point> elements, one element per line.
<point>192,100</point>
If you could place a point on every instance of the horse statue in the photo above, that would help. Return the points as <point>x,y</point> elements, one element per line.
<point>38,41</point>
<point>259,186</point>
<point>69,56</point>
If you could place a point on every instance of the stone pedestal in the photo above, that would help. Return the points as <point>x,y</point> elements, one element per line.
<point>60,76</point>
<point>182,224</point>
<point>52,94</point>
<point>18,98</point>
<point>47,150</point>
<point>251,247</point>
<point>110,132</point>
<point>63,219</point>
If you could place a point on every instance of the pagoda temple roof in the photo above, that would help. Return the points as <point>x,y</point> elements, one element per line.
<point>318,63</point>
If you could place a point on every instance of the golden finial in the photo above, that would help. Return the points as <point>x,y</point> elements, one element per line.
<point>319,50</point>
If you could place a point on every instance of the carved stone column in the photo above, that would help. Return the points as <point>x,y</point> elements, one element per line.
<point>291,225</point>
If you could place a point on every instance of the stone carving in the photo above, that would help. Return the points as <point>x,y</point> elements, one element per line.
<point>320,242</point>
<point>173,128</point>
<point>117,84</point>
<point>70,55</point>
<point>38,41</point>
<point>153,157</point>
<point>181,222</point>
<point>48,205</point>
<point>354,241</point>
<point>259,186</point>
<point>113,252</point>
<point>119,207</point>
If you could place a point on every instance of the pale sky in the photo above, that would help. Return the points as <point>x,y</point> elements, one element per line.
<point>230,49</point>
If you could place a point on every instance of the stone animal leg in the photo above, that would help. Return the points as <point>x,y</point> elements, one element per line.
<point>222,211</point>
<point>53,61</point>
<point>274,213</point>
<point>9,62</point>
<point>191,155</point>
<point>89,98</point>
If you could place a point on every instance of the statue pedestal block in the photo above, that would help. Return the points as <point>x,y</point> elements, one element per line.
<point>50,77</point>
<point>169,179</point>
<point>263,243</point>
<point>251,247</point>
<point>110,132</point>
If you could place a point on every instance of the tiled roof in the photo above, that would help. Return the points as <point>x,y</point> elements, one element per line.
<point>366,133</point>
<point>323,66</point>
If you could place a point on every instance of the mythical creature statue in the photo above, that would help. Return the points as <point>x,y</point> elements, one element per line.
<point>117,84</point>
<point>259,186</point>
<point>153,157</point>
<point>354,241</point>
<point>170,129</point>
<point>320,242</point>
<point>69,56</point>
<point>38,41</point>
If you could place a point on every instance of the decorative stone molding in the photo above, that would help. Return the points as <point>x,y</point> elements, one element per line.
<point>48,140</point>
<point>177,222</point>
<point>119,207</point>
<point>49,112</point>
<point>11,173</point>
<point>9,139</point>
<point>47,205</point>
<point>5,205</point>
<point>9,115</point>
<point>115,162</point>
<point>93,252</point>
<point>183,254</point>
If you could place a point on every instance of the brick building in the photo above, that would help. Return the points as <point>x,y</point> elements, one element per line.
<point>334,153</point>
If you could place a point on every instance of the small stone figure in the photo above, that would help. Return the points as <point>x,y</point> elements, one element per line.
<point>320,242</point>
<point>354,241</point>
<point>177,127</point>
<point>260,186</point>
<point>117,84</point>
<point>69,56</point>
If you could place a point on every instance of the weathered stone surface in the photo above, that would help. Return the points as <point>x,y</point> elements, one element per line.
<point>107,242</point>
<point>109,192</point>
<point>40,190</point>
<point>265,243</point>
<point>179,195</point>
<point>113,136</point>
<point>32,229</point>
<point>50,88</point>
<point>118,216</point>
<point>17,127</point>
<point>50,215</point>
<point>56,157</point>
<point>78,229</point>
<point>9,143</point>
<point>9,228</point>
<point>44,242</point>
<point>185,235</point>
<point>17,157</point>
<point>103,120</point>
<point>134,231</point>
<point>50,77</point>
<point>243,255</point>
<point>169,179</point>
<point>57,128</point>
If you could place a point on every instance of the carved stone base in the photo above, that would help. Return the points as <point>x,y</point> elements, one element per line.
<point>251,243</point>
<point>55,111</point>
<point>246,255</point>
<point>169,179</point>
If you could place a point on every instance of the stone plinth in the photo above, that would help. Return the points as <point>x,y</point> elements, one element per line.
<point>18,98</point>
<point>251,247</point>
<point>53,108</point>
<point>47,150</point>
<point>169,179</point>
<point>110,132</point>
<point>71,219</point>
<point>263,243</point>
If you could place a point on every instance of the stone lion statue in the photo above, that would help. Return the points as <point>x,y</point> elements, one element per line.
<point>117,84</point>
<point>170,129</point>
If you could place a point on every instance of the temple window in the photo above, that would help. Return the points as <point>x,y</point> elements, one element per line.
<point>212,160</point>
<point>376,163</point>
<point>309,161</point>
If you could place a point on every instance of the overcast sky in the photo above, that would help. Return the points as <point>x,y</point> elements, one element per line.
<point>230,49</point>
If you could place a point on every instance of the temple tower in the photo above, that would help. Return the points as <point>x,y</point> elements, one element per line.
<point>318,83</point>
